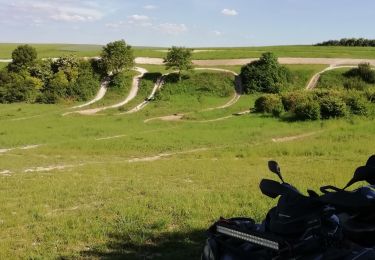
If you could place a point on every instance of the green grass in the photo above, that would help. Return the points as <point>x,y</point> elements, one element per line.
<point>118,89</point>
<point>55,50</point>
<point>3,65</point>
<point>301,75</point>
<point>289,51</point>
<point>102,206</point>
<point>145,88</point>
<point>335,79</point>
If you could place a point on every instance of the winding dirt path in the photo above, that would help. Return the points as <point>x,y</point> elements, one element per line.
<point>160,82</point>
<point>314,80</point>
<point>284,60</point>
<point>132,93</point>
<point>231,102</point>
<point>101,93</point>
<point>158,85</point>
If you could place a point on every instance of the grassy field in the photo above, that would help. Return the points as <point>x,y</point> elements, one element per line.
<point>55,50</point>
<point>3,65</point>
<point>113,187</point>
<point>336,79</point>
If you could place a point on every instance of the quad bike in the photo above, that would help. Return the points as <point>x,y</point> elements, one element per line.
<point>339,224</point>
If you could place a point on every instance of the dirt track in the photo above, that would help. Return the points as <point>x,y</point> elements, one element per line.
<point>132,94</point>
<point>232,62</point>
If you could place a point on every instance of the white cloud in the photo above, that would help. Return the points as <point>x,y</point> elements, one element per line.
<point>137,17</point>
<point>133,20</point>
<point>115,25</point>
<point>58,10</point>
<point>217,33</point>
<point>172,28</point>
<point>149,7</point>
<point>139,20</point>
<point>229,12</point>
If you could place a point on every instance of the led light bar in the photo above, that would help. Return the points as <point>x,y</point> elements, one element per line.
<point>261,241</point>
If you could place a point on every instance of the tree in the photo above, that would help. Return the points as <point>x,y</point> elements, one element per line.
<point>117,56</point>
<point>179,58</point>
<point>23,57</point>
<point>69,65</point>
<point>18,87</point>
<point>42,69</point>
<point>264,75</point>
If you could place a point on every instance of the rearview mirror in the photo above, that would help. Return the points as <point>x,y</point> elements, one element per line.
<point>274,167</point>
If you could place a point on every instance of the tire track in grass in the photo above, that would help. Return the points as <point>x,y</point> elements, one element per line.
<point>101,93</point>
<point>294,137</point>
<point>231,102</point>
<point>27,147</point>
<point>132,94</point>
<point>151,158</point>
<point>315,79</point>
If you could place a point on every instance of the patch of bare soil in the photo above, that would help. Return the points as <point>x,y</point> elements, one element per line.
<point>292,138</point>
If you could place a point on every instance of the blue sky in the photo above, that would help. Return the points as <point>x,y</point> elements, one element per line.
<point>186,22</point>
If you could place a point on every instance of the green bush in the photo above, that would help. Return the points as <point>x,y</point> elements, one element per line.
<point>319,94</point>
<point>292,99</point>
<point>357,104</point>
<point>364,72</point>
<point>86,85</point>
<point>355,83</point>
<point>269,104</point>
<point>307,110</point>
<point>18,87</point>
<point>264,75</point>
<point>332,107</point>
<point>370,95</point>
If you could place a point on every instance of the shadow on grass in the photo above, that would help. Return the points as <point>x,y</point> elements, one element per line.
<point>173,245</point>
<point>174,78</point>
<point>152,76</point>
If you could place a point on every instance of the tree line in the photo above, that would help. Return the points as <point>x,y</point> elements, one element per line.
<point>358,42</point>
<point>67,78</point>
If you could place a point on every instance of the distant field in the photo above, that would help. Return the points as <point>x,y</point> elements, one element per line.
<point>55,50</point>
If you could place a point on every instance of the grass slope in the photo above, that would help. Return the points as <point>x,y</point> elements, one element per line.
<point>335,79</point>
<point>104,206</point>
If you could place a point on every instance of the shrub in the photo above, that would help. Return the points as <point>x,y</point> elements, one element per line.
<point>307,110</point>
<point>357,104</point>
<point>370,94</point>
<point>18,87</point>
<point>354,83</point>
<point>332,107</point>
<point>290,100</point>
<point>364,72</point>
<point>264,75</point>
<point>86,84</point>
<point>269,104</point>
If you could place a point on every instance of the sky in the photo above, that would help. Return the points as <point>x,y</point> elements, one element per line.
<point>191,23</point>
